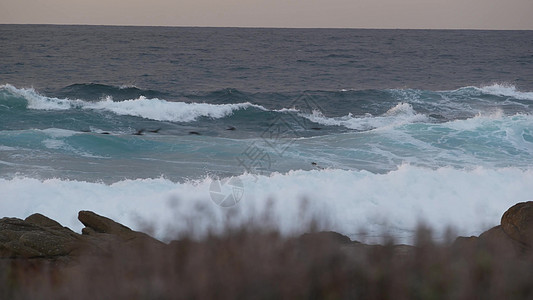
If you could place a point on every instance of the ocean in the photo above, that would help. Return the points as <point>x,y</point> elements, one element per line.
<point>176,130</point>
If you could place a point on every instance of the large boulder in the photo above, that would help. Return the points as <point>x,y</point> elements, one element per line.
<point>497,239</point>
<point>517,223</point>
<point>35,237</point>
<point>41,237</point>
<point>513,236</point>
<point>104,232</point>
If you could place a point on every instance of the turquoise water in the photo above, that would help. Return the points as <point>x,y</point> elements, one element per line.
<point>378,129</point>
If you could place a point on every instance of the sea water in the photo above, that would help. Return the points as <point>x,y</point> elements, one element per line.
<point>358,130</point>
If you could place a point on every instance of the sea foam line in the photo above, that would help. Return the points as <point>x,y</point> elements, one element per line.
<point>345,201</point>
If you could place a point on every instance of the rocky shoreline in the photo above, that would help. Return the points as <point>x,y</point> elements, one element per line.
<point>39,247</point>
<point>39,237</point>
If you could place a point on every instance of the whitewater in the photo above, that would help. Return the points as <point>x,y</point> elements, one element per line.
<point>387,174</point>
<point>365,132</point>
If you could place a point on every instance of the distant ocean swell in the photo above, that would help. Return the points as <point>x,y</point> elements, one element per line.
<point>380,106</point>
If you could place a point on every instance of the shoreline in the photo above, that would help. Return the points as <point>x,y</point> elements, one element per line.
<point>38,254</point>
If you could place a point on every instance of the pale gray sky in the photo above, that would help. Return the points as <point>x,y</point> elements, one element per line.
<point>471,14</point>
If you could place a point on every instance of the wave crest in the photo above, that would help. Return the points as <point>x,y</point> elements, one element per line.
<point>506,90</point>
<point>154,109</point>
<point>400,114</point>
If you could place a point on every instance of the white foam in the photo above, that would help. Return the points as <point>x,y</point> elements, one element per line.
<point>402,113</point>
<point>155,109</point>
<point>58,132</point>
<point>128,86</point>
<point>491,123</point>
<point>36,101</point>
<point>7,148</point>
<point>506,90</point>
<point>470,200</point>
<point>162,110</point>
<point>54,144</point>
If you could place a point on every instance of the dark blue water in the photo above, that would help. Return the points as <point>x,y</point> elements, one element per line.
<point>347,118</point>
<point>182,61</point>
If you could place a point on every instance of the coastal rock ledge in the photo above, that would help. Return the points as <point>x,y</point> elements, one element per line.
<point>39,237</point>
<point>514,235</point>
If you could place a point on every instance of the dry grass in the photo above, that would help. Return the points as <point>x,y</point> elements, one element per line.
<point>258,264</point>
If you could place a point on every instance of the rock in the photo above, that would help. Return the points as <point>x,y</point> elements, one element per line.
<point>38,237</point>
<point>517,222</point>
<point>14,249</point>
<point>49,244</point>
<point>38,219</point>
<point>497,239</point>
<point>101,224</point>
<point>41,237</point>
<point>513,237</point>
<point>326,236</point>
<point>107,230</point>
<point>463,242</point>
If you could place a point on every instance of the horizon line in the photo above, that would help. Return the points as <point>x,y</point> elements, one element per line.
<point>258,27</point>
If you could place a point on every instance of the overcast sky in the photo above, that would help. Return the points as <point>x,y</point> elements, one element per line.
<point>469,14</point>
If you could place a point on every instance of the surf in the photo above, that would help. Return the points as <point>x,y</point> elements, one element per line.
<point>341,200</point>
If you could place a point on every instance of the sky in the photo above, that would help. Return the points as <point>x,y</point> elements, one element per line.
<point>427,14</point>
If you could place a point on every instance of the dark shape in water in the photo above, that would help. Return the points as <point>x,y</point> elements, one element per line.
<point>194,133</point>
<point>316,128</point>
<point>438,117</point>
<point>230,128</point>
<point>96,91</point>
<point>139,132</point>
<point>89,131</point>
<point>317,166</point>
<point>155,130</point>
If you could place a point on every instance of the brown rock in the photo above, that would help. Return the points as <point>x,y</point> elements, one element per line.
<point>38,237</point>
<point>326,236</point>
<point>14,249</point>
<point>101,224</point>
<point>463,242</point>
<point>517,222</point>
<point>41,237</point>
<point>104,228</point>
<point>497,238</point>
<point>49,243</point>
<point>38,219</point>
